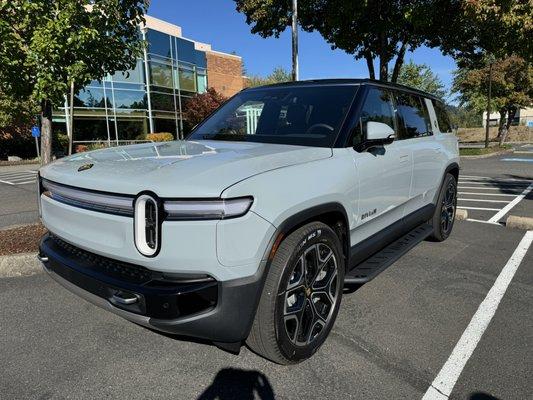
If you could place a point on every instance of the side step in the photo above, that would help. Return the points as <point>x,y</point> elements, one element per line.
<point>374,265</point>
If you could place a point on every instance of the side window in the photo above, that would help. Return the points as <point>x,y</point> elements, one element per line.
<point>413,116</point>
<point>442,117</point>
<point>378,108</point>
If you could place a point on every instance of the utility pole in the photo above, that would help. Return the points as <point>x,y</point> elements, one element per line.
<point>488,106</point>
<point>295,75</point>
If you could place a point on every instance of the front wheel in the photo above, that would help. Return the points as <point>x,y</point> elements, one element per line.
<point>301,297</point>
<point>444,216</point>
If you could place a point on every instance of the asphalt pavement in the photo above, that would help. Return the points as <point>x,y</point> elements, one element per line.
<point>392,338</point>
<point>18,195</point>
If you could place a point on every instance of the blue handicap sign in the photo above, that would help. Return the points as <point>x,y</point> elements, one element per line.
<point>530,124</point>
<point>35,131</point>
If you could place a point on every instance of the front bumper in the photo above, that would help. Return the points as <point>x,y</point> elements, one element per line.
<point>190,305</point>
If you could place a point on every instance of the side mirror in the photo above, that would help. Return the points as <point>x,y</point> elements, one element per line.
<point>377,134</point>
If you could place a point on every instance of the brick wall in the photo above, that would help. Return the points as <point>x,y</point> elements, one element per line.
<point>224,73</point>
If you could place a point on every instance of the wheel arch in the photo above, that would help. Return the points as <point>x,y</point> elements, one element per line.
<point>452,168</point>
<point>332,214</point>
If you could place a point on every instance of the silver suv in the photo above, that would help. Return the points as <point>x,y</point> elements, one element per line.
<point>249,230</point>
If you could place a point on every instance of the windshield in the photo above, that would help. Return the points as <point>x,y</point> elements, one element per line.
<point>299,115</point>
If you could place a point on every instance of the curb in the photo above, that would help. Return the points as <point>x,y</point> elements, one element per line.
<point>516,222</point>
<point>461,215</point>
<point>497,153</point>
<point>18,265</point>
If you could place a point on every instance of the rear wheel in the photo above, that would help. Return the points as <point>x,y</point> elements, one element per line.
<point>301,297</point>
<point>444,216</point>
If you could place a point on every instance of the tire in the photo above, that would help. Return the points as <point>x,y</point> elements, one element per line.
<point>444,216</point>
<point>301,296</point>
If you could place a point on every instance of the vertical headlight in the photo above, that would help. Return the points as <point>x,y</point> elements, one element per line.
<point>207,209</point>
<point>146,225</point>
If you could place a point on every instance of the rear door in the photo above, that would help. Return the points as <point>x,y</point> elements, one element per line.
<point>416,131</point>
<point>383,174</point>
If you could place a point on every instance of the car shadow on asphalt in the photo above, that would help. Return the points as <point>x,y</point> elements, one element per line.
<point>235,383</point>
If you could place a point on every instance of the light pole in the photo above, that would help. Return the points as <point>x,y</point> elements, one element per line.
<point>295,74</point>
<point>488,105</point>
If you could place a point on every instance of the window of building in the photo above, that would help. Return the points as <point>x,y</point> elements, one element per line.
<point>90,129</point>
<point>135,75</point>
<point>201,79</point>
<point>377,108</point>
<point>90,97</point>
<point>186,50</point>
<point>158,43</point>
<point>200,59</point>
<point>413,116</point>
<point>161,74</point>
<point>129,129</point>
<point>132,99</point>
<point>165,125</point>
<point>187,79</point>
<point>161,101</point>
<point>442,117</point>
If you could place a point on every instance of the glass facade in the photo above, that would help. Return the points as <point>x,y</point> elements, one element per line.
<point>124,107</point>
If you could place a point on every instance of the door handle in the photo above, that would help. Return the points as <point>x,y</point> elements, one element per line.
<point>404,158</point>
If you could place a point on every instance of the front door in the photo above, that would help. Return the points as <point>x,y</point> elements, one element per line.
<point>383,174</point>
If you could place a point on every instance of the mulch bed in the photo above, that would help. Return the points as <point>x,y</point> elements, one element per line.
<point>22,239</point>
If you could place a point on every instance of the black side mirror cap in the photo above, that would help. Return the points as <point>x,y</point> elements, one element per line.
<point>368,144</point>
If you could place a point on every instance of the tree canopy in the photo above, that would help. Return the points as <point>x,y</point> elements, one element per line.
<point>46,45</point>
<point>420,76</point>
<point>512,87</point>
<point>197,108</point>
<point>383,31</point>
<point>278,75</point>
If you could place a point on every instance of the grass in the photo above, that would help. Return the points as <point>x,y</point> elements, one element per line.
<point>483,151</point>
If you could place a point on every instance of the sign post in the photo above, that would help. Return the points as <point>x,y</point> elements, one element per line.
<point>36,133</point>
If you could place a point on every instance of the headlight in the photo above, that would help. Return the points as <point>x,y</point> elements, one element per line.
<point>207,209</point>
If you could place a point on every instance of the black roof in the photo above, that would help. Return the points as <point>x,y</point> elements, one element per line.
<point>348,81</point>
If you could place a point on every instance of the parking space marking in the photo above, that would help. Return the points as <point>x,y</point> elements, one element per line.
<point>484,200</point>
<point>478,208</point>
<point>442,386</point>
<point>487,188</point>
<point>488,194</point>
<point>18,177</point>
<point>513,203</point>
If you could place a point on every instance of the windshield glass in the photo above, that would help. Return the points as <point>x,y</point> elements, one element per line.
<point>299,115</point>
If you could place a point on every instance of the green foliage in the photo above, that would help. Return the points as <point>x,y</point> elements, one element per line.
<point>420,76</point>
<point>386,30</point>
<point>200,106</point>
<point>464,117</point>
<point>278,75</point>
<point>47,44</point>
<point>512,85</point>
<point>160,137</point>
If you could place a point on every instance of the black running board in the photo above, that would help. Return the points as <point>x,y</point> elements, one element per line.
<point>374,265</point>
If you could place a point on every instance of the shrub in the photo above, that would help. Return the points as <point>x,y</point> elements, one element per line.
<point>160,137</point>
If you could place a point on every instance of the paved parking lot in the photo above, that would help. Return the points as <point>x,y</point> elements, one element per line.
<point>440,320</point>
<point>392,337</point>
<point>17,195</point>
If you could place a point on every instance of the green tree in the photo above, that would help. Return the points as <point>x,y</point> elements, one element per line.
<point>512,88</point>
<point>384,31</point>
<point>47,45</point>
<point>278,75</point>
<point>420,76</point>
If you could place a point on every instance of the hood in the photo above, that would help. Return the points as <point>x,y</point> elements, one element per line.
<point>178,168</point>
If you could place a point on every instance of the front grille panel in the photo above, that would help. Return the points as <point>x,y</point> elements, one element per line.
<point>119,270</point>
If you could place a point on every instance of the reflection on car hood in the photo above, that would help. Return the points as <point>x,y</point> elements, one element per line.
<point>178,168</point>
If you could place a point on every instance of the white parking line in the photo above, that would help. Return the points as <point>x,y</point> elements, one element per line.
<point>491,179</point>
<point>502,184</point>
<point>479,208</point>
<point>513,203</point>
<point>482,221</point>
<point>488,194</point>
<point>486,188</point>
<point>442,386</point>
<point>484,200</point>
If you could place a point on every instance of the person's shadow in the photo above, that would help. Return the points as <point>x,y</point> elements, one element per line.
<point>233,383</point>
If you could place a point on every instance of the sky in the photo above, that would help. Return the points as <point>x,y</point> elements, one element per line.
<point>218,23</point>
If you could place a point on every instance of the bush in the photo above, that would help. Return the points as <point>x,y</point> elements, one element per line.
<point>160,137</point>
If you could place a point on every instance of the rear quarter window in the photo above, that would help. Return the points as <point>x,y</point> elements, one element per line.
<point>443,119</point>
